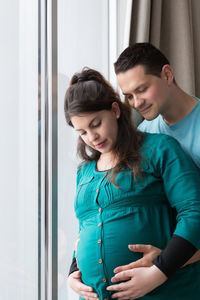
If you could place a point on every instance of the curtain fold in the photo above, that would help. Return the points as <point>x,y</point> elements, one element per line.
<point>173,27</point>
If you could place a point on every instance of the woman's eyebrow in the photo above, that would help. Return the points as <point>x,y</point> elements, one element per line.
<point>79,129</point>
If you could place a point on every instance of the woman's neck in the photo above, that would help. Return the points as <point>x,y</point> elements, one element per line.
<point>106,161</point>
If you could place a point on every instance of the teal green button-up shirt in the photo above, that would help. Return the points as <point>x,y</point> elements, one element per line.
<point>165,201</point>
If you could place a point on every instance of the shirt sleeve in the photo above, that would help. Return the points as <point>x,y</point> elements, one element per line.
<point>181,180</point>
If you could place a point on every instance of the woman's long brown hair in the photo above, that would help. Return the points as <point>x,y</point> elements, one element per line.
<point>89,91</point>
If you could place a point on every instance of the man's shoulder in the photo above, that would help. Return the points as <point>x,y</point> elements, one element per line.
<point>150,126</point>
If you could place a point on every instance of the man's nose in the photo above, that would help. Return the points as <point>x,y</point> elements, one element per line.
<point>136,102</point>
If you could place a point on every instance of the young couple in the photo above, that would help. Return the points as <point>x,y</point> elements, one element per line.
<point>136,191</point>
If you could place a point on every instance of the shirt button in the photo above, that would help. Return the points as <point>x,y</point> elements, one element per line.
<point>97,190</point>
<point>99,224</point>
<point>99,241</point>
<point>100,209</point>
<point>100,261</point>
<point>103,279</point>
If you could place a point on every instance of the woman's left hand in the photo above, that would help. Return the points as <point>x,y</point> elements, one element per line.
<point>139,282</point>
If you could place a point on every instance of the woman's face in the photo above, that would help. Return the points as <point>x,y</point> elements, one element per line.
<point>98,129</point>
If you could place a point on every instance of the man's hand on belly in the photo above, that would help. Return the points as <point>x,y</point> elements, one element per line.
<point>149,253</point>
<point>139,282</point>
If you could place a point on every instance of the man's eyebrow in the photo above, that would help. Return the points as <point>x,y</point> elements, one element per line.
<point>136,89</point>
<point>89,124</point>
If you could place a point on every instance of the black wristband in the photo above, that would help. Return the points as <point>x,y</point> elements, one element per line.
<point>73,266</point>
<point>177,252</point>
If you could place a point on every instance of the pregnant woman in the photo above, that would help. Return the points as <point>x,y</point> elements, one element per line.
<point>132,188</point>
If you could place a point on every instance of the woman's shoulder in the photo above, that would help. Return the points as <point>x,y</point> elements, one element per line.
<point>85,171</point>
<point>157,140</point>
<point>86,167</point>
<point>157,147</point>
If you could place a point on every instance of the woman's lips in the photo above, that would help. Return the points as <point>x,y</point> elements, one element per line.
<point>100,145</point>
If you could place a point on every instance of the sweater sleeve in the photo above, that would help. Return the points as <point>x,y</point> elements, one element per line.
<point>73,266</point>
<point>173,256</point>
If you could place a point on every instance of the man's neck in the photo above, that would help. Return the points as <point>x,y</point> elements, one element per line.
<point>181,104</point>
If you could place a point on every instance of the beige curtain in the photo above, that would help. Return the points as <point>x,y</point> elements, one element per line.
<point>174,27</point>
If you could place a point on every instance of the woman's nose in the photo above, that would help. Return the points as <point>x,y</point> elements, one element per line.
<point>93,136</point>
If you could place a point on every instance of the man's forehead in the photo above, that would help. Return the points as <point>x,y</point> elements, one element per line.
<point>133,78</point>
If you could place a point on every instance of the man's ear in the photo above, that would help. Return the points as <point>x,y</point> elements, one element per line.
<point>116,109</point>
<point>167,74</point>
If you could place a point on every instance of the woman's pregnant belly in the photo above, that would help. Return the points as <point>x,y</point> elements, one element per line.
<point>104,245</point>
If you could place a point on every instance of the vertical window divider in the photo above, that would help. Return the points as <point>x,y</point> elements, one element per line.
<point>112,39</point>
<point>47,135</point>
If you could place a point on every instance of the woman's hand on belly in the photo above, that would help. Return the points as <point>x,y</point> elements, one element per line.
<point>84,291</point>
<point>139,282</point>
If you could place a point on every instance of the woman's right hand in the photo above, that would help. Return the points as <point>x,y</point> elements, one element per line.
<point>84,291</point>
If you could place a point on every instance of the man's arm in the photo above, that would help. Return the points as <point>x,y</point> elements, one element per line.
<point>142,280</point>
<point>149,253</point>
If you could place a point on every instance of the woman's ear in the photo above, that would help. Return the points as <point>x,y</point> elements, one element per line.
<point>116,109</point>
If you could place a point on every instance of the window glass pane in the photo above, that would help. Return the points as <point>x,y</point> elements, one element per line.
<point>82,41</point>
<point>18,152</point>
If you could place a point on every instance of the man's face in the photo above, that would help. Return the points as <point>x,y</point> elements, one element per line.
<point>147,93</point>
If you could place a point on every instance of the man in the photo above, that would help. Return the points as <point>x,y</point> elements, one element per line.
<point>146,78</point>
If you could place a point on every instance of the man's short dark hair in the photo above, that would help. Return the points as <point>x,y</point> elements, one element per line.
<point>144,54</point>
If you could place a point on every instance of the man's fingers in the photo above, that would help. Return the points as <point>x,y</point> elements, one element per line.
<point>124,275</point>
<point>136,264</point>
<point>121,295</point>
<point>140,248</point>
<point>124,268</point>
<point>118,287</point>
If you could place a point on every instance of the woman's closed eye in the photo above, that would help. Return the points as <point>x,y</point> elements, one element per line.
<point>82,133</point>
<point>95,125</point>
